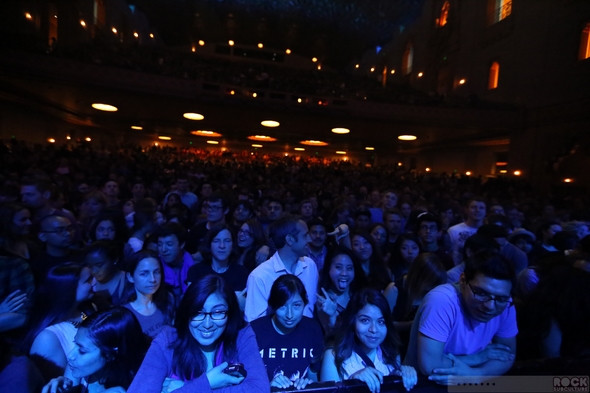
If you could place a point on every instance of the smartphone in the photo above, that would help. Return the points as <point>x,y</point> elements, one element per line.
<point>236,370</point>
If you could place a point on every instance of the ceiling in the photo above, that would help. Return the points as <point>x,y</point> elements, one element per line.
<point>337,31</point>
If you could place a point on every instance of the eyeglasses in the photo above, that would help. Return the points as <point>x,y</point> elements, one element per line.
<point>244,232</point>
<point>62,230</point>
<point>217,315</point>
<point>484,297</point>
<point>213,208</point>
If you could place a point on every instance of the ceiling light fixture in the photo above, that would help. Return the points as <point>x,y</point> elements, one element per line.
<point>369,148</point>
<point>104,107</point>
<point>300,149</point>
<point>193,116</point>
<point>270,123</point>
<point>340,130</point>
<point>340,152</point>
<point>256,145</point>
<point>164,138</point>
<point>136,127</point>
<point>264,138</point>
<point>209,134</point>
<point>213,142</point>
<point>407,137</point>
<point>311,142</point>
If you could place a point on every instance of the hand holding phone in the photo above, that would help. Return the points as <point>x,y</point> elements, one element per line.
<point>236,370</point>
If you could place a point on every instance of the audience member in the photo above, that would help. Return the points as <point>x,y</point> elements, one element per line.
<point>107,351</point>
<point>290,235</point>
<point>377,273</point>
<point>428,229</point>
<point>340,279</point>
<point>467,328</point>
<point>102,258</point>
<point>58,313</point>
<point>290,344</point>
<point>367,345</point>
<point>475,211</point>
<point>316,248</point>
<point>217,208</point>
<point>177,262</point>
<point>209,334</point>
<point>150,302</point>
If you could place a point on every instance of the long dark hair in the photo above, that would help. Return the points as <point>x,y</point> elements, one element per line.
<point>188,360</point>
<point>117,333</point>
<point>346,335</point>
<point>116,217</point>
<point>249,259</point>
<point>283,289</point>
<point>360,279</point>
<point>205,247</point>
<point>161,298</point>
<point>378,276</point>
<point>396,258</point>
<point>55,298</point>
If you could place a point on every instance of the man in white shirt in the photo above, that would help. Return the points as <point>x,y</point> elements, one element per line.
<point>290,235</point>
<point>475,211</point>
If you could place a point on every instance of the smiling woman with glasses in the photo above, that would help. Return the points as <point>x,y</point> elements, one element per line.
<point>209,334</point>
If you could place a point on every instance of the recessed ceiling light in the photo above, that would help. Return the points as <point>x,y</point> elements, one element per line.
<point>264,138</point>
<point>136,127</point>
<point>164,138</point>
<point>213,142</point>
<point>51,140</point>
<point>193,116</point>
<point>314,143</point>
<point>369,148</point>
<point>256,145</point>
<point>340,130</point>
<point>270,123</point>
<point>88,139</point>
<point>300,149</point>
<point>340,152</point>
<point>104,107</point>
<point>210,134</point>
<point>407,137</point>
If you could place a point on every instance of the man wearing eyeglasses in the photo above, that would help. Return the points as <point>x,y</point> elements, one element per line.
<point>217,208</point>
<point>427,229</point>
<point>467,328</point>
<point>57,234</point>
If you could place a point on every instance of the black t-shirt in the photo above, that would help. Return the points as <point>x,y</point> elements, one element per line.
<point>236,275</point>
<point>291,354</point>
